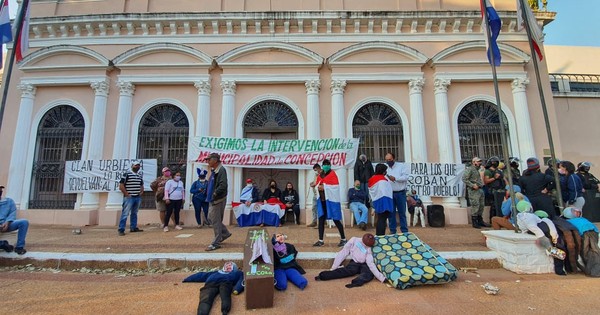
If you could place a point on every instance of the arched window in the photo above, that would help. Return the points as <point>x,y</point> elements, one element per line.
<point>379,129</point>
<point>271,119</point>
<point>59,139</point>
<point>163,135</point>
<point>479,131</point>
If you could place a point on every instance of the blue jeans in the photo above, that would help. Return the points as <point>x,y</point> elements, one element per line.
<point>400,207</point>
<point>131,205</point>
<point>21,225</point>
<point>361,213</point>
<point>199,207</point>
<point>283,275</point>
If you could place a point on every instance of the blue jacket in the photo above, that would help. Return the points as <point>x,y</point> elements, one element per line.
<point>583,225</point>
<point>571,187</point>
<point>355,195</point>
<point>8,210</point>
<point>235,278</point>
<point>198,190</point>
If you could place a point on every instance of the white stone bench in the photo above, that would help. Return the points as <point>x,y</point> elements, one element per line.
<point>518,252</point>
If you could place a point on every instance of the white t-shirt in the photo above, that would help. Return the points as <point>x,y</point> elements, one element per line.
<point>174,190</point>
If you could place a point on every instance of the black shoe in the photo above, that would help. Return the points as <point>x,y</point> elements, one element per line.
<point>481,223</point>
<point>342,243</point>
<point>226,237</point>
<point>317,278</point>
<point>318,244</point>
<point>351,285</point>
<point>121,233</point>
<point>475,222</point>
<point>137,230</point>
<point>6,246</point>
<point>20,251</point>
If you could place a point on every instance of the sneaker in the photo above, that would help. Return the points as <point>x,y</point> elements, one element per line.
<point>20,251</point>
<point>6,246</point>
<point>137,230</point>
<point>314,224</point>
<point>342,243</point>
<point>226,237</point>
<point>121,233</point>
<point>212,247</point>
<point>177,227</point>
<point>318,244</point>
<point>166,229</point>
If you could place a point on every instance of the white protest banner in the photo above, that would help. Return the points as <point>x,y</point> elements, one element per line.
<point>436,179</point>
<point>103,175</point>
<point>262,153</point>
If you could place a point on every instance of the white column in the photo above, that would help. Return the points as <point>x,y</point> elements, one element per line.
<point>338,130</point>
<point>228,128</point>
<point>203,114</point>
<point>417,125</point>
<point>16,171</point>
<point>313,131</point>
<point>524,132</point>
<point>90,200</point>
<point>444,130</point>
<point>122,133</point>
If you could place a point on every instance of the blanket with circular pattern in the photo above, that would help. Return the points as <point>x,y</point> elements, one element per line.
<point>406,261</point>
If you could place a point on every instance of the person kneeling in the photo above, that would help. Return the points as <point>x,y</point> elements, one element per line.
<point>361,264</point>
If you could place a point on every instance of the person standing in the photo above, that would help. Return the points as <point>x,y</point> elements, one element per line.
<point>9,223</point>
<point>356,200</point>
<point>217,198</point>
<point>514,170</point>
<point>290,198</point>
<point>198,191</point>
<point>493,178</point>
<point>363,170</point>
<point>398,178</point>
<point>174,199</point>
<point>474,185</point>
<point>158,187</point>
<point>380,190</point>
<point>590,182</point>
<point>317,169</point>
<point>132,187</point>
<point>329,206</point>
<point>571,185</point>
<point>536,186</point>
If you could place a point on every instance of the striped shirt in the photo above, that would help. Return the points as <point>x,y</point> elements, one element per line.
<point>133,182</point>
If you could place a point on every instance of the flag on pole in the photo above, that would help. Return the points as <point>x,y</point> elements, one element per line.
<point>535,33</point>
<point>5,31</point>
<point>495,24</point>
<point>22,44</point>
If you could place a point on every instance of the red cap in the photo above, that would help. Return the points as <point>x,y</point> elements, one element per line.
<point>249,180</point>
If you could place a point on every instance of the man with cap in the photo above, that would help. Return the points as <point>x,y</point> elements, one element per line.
<point>216,196</point>
<point>361,263</point>
<point>474,184</point>
<point>198,192</point>
<point>9,223</point>
<point>536,186</point>
<point>249,193</point>
<point>132,187</point>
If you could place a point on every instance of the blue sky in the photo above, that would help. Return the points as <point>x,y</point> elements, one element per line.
<point>577,22</point>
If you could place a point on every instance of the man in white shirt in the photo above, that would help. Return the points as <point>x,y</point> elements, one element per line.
<point>398,177</point>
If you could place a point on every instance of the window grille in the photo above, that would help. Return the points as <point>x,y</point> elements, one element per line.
<point>59,139</point>
<point>379,129</point>
<point>479,131</point>
<point>163,135</point>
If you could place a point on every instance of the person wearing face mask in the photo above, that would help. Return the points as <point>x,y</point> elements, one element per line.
<point>356,200</point>
<point>158,187</point>
<point>398,177</point>
<point>329,206</point>
<point>571,185</point>
<point>272,194</point>
<point>291,201</point>
<point>317,169</point>
<point>9,223</point>
<point>198,191</point>
<point>363,170</point>
<point>132,187</point>
<point>174,198</point>
<point>249,193</point>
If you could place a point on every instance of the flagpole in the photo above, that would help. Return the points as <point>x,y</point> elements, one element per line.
<point>11,61</point>
<point>504,136</point>
<point>543,101</point>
